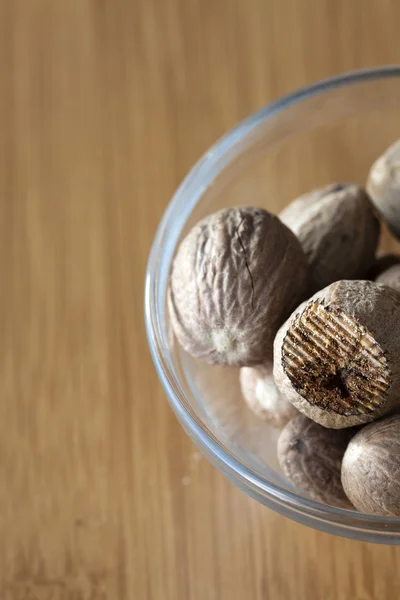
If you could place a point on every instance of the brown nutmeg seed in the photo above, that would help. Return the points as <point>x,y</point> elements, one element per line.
<point>236,277</point>
<point>381,264</point>
<point>338,230</point>
<point>383,186</point>
<point>337,358</point>
<point>390,277</point>
<point>371,468</point>
<point>263,397</point>
<point>311,457</point>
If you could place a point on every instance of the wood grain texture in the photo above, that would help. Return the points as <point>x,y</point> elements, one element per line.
<point>104,105</point>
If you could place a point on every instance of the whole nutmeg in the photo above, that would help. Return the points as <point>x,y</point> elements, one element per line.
<point>371,468</point>
<point>263,397</point>
<point>338,230</point>
<point>383,186</point>
<point>381,264</point>
<point>390,277</point>
<point>236,277</point>
<point>337,358</point>
<point>311,457</point>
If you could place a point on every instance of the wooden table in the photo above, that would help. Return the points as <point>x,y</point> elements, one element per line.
<point>104,106</point>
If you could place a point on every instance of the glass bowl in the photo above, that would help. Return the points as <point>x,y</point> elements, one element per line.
<point>330,131</point>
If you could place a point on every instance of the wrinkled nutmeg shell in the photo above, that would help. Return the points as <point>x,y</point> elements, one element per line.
<point>383,186</point>
<point>337,358</point>
<point>338,230</point>
<point>390,277</point>
<point>236,277</point>
<point>263,397</point>
<point>311,457</point>
<point>371,468</point>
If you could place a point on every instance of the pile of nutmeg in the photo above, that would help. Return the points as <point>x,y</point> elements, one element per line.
<point>303,304</point>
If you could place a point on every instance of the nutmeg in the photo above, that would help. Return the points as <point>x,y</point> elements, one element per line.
<point>263,397</point>
<point>381,263</point>
<point>371,468</point>
<point>383,186</point>
<point>310,456</point>
<point>337,358</point>
<point>390,277</point>
<point>236,277</point>
<point>338,230</point>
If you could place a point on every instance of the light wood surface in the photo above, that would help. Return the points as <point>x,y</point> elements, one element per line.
<point>104,106</point>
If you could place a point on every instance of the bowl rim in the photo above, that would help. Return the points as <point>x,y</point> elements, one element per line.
<point>178,210</point>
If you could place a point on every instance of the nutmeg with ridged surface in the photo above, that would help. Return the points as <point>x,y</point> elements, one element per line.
<point>337,358</point>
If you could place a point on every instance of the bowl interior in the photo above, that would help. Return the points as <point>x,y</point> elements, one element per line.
<point>297,145</point>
